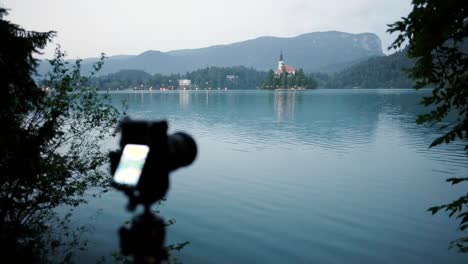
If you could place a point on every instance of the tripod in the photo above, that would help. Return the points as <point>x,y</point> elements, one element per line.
<point>144,238</point>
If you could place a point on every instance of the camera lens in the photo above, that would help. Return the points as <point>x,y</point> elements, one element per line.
<point>182,150</point>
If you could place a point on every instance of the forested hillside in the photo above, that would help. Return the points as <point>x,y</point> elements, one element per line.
<point>377,72</point>
<point>238,77</point>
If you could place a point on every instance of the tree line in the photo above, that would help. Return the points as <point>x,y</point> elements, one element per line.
<point>238,77</point>
<point>377,72</point>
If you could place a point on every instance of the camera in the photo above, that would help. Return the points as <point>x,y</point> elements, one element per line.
<point>141,170</point>
<point>148,154</point>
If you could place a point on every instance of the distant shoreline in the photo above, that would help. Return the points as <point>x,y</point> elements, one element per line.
<point>127,91</point>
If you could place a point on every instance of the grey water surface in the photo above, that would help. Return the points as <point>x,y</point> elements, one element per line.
<point>324,176</point>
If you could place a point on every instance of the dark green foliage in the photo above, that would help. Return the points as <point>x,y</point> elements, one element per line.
<point>215,77</point>
<point>436,33</point>
<point>49,144</point>
<point>288,81</point>
<point>121,79</point>
<point>377,72</point>
<point>163,81</point>
<point>321,78</point>
<point>210,77</point>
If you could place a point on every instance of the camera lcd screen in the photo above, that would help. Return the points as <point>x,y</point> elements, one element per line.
<point>131,164</point>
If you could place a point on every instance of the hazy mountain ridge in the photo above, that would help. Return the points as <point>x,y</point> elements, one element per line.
<point>314,52</point>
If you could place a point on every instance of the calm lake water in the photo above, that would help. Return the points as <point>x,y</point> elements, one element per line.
<point>325,176</point>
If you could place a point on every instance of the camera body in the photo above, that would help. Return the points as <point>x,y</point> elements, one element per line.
<point>166,153</point>
<point>153,182</point>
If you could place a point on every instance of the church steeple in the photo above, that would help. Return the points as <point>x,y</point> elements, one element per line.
<point>283,67</point>
<point>281,62</point>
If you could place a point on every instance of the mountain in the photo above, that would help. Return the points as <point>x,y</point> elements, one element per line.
<point>314,52</point>
<point>378,72</point>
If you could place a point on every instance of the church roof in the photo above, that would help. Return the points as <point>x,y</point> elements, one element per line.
<point>287,68</point>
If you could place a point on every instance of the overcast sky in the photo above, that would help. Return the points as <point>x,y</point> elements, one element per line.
<point>88,27</point>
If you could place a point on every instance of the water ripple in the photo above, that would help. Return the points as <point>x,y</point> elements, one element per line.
<point>328,176</point>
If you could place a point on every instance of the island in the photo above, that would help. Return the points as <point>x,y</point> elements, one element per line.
<point>286,77</point>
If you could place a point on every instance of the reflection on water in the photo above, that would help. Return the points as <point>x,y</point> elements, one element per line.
<point>344,177</point>
<point>184,97</point>
<point>284,104</point>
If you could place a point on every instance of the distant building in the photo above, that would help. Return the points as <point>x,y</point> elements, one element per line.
<point>232,77</point>
<point>283,67</point>
<point>185,83</point>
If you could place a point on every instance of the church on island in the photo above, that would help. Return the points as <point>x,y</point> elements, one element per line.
<point>286,77</point>
<point>283,67</point>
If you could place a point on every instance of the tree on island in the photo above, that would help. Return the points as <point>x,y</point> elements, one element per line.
<point>50,151</point>
<point>436,33</point>
<point>287,81</point>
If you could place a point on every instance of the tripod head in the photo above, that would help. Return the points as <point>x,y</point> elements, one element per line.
<point>141,170</point>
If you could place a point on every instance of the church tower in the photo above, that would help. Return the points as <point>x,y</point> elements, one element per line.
<point>283,68</point>
<point>281,62</point>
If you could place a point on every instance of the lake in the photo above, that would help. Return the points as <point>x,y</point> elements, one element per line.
<point>323,176</point>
